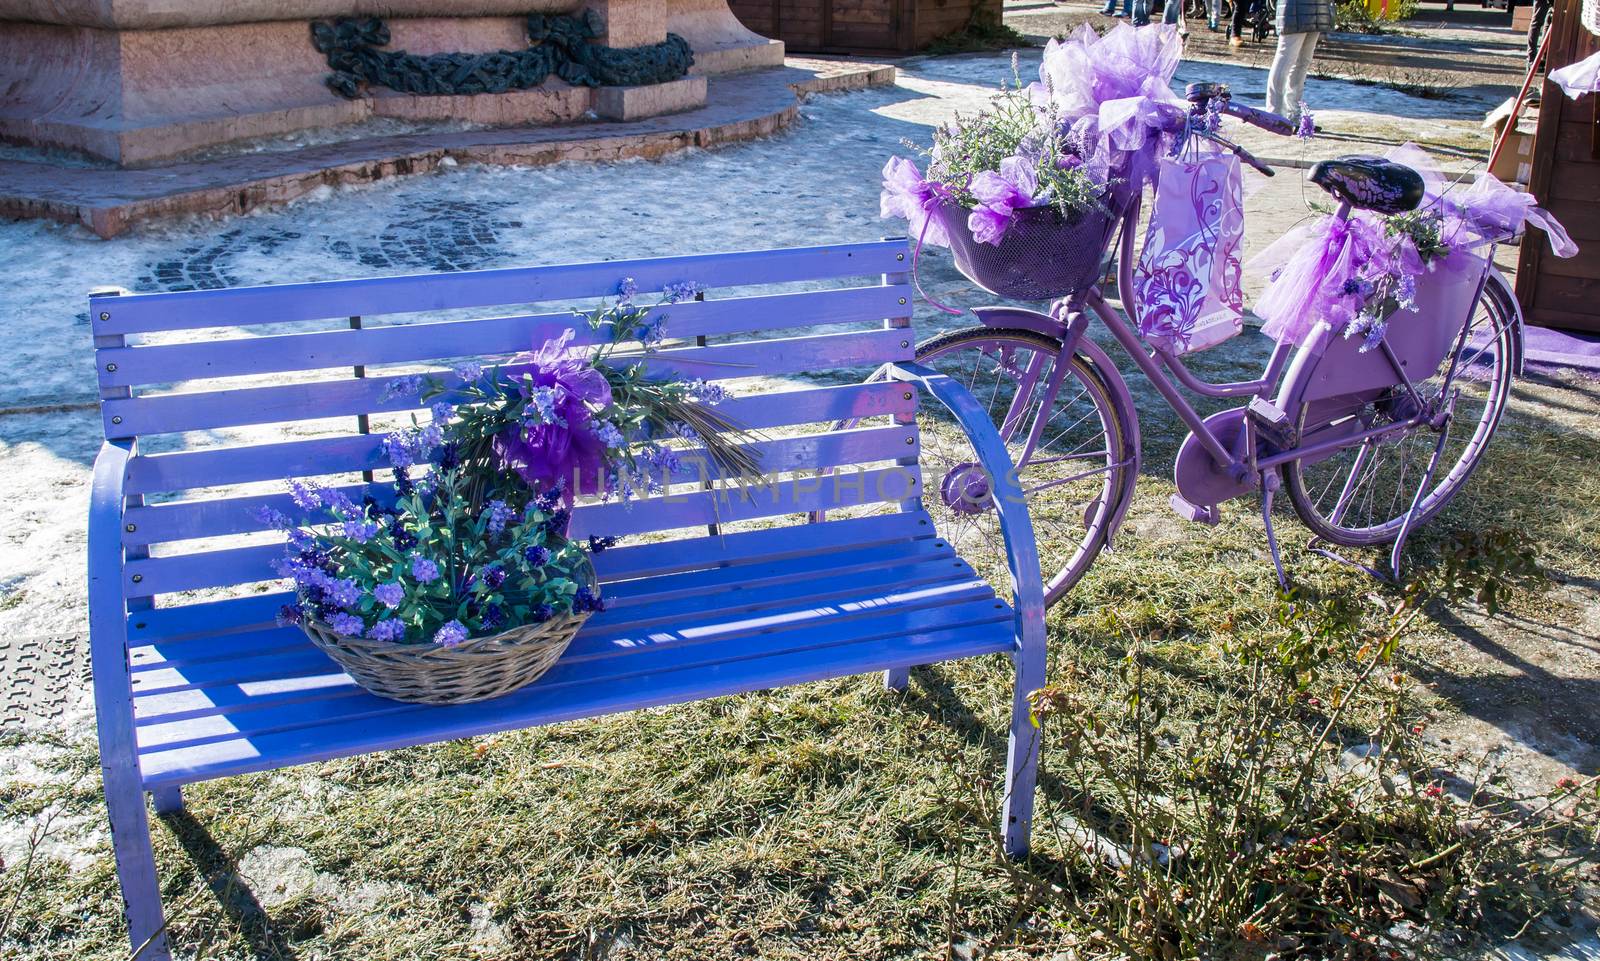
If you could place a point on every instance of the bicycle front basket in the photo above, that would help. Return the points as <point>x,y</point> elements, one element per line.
<point>1042,256</point>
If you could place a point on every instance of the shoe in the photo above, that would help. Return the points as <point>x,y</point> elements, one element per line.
<point>1235,41</point>
<point>1183,34</point>
<point>1212,26</point>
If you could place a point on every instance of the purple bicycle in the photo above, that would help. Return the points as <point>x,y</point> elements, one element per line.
<point>1370,436</point>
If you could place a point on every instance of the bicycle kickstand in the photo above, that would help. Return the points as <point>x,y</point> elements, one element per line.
<point>1269,487</point>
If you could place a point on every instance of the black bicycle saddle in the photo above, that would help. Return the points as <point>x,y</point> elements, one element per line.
<point>1370,183</point>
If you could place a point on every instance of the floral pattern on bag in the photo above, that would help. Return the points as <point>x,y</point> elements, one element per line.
<point>1187,284</point>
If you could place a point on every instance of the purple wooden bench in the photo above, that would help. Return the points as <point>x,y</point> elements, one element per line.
<point>833,570</point>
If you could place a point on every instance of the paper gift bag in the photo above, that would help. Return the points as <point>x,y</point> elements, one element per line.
<point>1187,283</point>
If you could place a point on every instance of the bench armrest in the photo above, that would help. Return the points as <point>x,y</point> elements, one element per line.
<point>1016,526</point>
<point>108,611</point>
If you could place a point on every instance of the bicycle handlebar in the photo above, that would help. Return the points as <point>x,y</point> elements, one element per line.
<point>1266,120</point>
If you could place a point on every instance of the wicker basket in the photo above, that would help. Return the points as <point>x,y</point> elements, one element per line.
<point>1042,256</point>
<point>474,670</point>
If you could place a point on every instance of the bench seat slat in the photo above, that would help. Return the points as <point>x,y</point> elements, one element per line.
<point>620,596</point>
<point>611,631</point>
<point>217,517</point>
<point>243,306</point>
<point>246,565</point>
<point>186,470</point>
<point>240,407</point>
<point>726,551</point>
<point>894,637</point>
<point>412,343</point>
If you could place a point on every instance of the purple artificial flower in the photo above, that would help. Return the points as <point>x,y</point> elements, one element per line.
<point>390,595</point>
<point>677,293</point>
<point>424,570</point>
<point>307,497</point>
<point>342,591</point>
<point>1405,293</point>
<point>493,616</point>
<point>494,577</point>
<point>360,531</point>
<point>999,195</point>
<point>451,634</point>
<point>608,433</point>
<point>708,393</point>
<point>469,371</point>
<point>348,625</point>
<point>500,515</point>
<point>565,449</point>
<point>1308,126</point>
<point>535,556</point>
<point>1370,327</point>
<point>908,196</point>
<point>390,629</point>
<point>627,289</point>
<point>273,518</point>
<point>1213,121</point>
<point>409,386</point>
<point>441,412</point>
<point>290,614</point>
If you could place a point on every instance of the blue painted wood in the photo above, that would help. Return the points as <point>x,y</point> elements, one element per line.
<point>270,694</point>
<point>209,618</point>
<point>620,596</point>
<point>1016,527</point>
<point>119,766</point>
<point>251,565</point>
<point>212,410</point>
<point>244,306</point>
<point>411,343</point>
<point>183,470</point>
<point>213,517</point>
<point>536,705</point>
<point>636,629</point>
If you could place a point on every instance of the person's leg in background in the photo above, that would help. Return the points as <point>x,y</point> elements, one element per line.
<point>1213,15</point>
<point>1141,13</point>
<point>1110,9</point>
<point>1241,18</point>
<point>1537,25</point>
<point>1286,81</point>
<point>1173,14</point>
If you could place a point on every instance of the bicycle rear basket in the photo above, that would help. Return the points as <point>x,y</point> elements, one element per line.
<point>1042,256</point>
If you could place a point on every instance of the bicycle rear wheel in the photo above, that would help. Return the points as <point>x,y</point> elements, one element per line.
<point>1064,432</point>
<point>1360,495</point>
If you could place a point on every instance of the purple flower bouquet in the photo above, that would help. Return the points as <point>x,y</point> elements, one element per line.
<point>1027,193</point>
<point>462,584</point>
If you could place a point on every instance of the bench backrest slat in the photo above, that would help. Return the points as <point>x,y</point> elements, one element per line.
<point>246,306</point>
<point>223,417</point>
<point>245,406</point>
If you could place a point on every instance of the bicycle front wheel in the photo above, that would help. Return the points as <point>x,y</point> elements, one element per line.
<point>1361,495</point>
<point>1063,431</point>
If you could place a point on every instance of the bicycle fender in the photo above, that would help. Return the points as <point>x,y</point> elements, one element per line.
<point>1101,362</point>
<point>1505,292</point>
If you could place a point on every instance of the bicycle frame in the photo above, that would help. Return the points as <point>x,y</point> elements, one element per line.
<point>1240,462</point>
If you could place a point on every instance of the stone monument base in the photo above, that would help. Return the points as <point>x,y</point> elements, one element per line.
<point>138,82</point>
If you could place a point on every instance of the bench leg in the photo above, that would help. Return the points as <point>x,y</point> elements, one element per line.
<point>896,678</point>
<point>168,800</point>
<point>136,866</point>
<point>1022,756</point>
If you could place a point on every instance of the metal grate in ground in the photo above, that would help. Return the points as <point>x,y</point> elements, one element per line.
<point>40,677</point>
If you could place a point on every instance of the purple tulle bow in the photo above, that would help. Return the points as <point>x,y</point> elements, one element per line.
<point>999,195</point>
<point>556,444</point>
<point>913,199</point>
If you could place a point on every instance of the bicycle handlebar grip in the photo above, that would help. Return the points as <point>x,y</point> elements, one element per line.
<point>1270,122</point>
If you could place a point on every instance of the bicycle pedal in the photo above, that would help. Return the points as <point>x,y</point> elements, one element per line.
<point>1208,514</point>
<point>1271,422</point>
